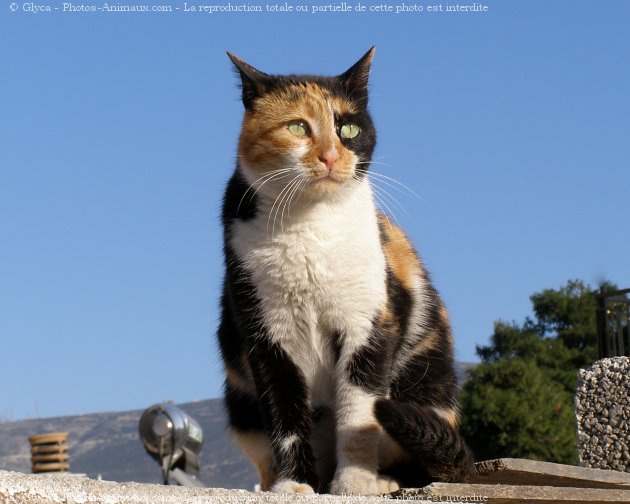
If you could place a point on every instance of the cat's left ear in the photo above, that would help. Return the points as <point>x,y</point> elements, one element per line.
<point>253,82</point>
<point>355,79</point>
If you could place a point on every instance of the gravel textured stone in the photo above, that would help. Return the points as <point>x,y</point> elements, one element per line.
<point>602,408</point>
<point>18,488</point>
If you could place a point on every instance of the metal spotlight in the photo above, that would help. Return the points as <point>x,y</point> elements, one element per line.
<point>174,440</point>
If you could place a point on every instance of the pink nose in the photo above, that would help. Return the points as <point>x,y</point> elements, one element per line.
<point>329,158</point>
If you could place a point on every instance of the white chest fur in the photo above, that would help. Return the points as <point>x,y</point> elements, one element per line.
<point>322,271</point>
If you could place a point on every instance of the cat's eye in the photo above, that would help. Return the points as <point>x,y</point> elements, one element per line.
<point>298,128</point>
<point>349,131</point>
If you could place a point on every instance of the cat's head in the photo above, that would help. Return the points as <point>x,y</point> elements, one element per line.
<point>306,132</point>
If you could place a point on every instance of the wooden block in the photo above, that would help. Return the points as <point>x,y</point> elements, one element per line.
<point>510,471</point>
<point>49,438</point>
<point>51,457</point>
<point>48,448</point>
<point>517,494</point>
<point>50,467</point>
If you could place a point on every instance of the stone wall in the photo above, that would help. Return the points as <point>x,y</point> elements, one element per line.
<point>602,408</point>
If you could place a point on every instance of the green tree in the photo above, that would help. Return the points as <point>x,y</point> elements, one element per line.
<point>519,401</point>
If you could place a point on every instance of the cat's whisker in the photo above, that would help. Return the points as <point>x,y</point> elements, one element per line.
<point>277,203</point>
<point>372,173</point>
<point>381,201</point>
<point>279,177</point>
<point>285,201</point>
<point>392,198</point>
<point>293,193</point>
<point>270,175</point>
<point>377,181</point>
<point>266,177</point>
<point>371,162</point>
<point>415,384</point>
<point>392,201</point>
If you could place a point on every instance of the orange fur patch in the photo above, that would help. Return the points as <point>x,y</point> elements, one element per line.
<point>389,451</point>
<point>450,415</point>
<point>258,449</point>
<point>433,338</point>
<point>399,253</point>
<point>388,322</point>
<point>362,446</point>
<point>428,342</point>
<point>238,381</point>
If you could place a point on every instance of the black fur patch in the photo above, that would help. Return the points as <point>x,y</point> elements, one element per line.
<point>285,404</point>
<point>236,203</point>
<point>243,410</point>
<point>427,438</point>
<point>427,379</point>
<point>399,300</point>
<point>283,407</point>
<point>364,143</point>
<point>336,345</point>
<point>369,368</point>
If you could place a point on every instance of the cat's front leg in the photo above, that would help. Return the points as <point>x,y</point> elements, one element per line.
<point>363,371</point>
<point>285,406</point>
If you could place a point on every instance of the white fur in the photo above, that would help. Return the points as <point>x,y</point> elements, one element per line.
<point>291,487</point>
<point>325,272</point>
<point>287,443</point>
<point>359,481</point>
<point>420,302</point>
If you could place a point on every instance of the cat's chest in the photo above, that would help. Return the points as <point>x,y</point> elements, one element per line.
<point>327,268</point>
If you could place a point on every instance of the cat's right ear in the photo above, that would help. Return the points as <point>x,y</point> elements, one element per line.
<point>253,82</point>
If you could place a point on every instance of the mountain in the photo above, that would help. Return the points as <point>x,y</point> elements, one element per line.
<point>107,444</point>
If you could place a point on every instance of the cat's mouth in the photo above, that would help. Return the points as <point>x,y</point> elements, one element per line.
<point>330,177</point>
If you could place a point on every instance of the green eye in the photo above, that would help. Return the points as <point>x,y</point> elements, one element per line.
<point>349,131</point>
<point>298,128</point>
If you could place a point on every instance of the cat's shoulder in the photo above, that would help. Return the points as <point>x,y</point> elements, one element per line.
<point>401,256</point>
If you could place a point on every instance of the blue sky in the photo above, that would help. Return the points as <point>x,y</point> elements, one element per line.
<point>118,132</point>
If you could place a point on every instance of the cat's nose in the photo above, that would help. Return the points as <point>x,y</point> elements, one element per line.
<point>329,158</point>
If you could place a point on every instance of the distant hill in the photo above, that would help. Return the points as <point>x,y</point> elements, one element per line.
<point>108,444</point>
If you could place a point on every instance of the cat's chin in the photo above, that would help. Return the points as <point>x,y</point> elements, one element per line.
<point>324,187</point>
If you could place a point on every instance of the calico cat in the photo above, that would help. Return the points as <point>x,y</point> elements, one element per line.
<point>337,348</point>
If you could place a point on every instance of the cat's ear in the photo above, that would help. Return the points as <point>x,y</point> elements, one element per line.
<point>355,80</point>
<point>253,82</point>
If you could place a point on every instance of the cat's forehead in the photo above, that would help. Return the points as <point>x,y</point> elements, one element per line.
<point>311,97</point>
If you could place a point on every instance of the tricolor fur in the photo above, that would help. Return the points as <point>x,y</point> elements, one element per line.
<point>337,349</point>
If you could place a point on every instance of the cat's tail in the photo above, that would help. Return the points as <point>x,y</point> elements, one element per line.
<point>428,438</point>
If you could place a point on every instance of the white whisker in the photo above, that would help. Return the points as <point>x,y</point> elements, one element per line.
<point>264,178</point>
<point>391,197</point>
<point>277,202</point>
<point>403,186</point>
<point>389,211</point>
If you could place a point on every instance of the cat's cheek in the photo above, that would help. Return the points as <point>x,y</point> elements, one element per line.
<point>358,481</point>
<point>291,487</point>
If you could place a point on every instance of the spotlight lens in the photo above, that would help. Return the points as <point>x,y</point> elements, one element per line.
<point>162,426</point>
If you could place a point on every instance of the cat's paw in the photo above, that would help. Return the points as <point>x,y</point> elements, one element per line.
<point>291,486</point>
<point>357,481</point>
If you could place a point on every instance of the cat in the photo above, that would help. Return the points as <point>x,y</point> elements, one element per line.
<point>337,349</point>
